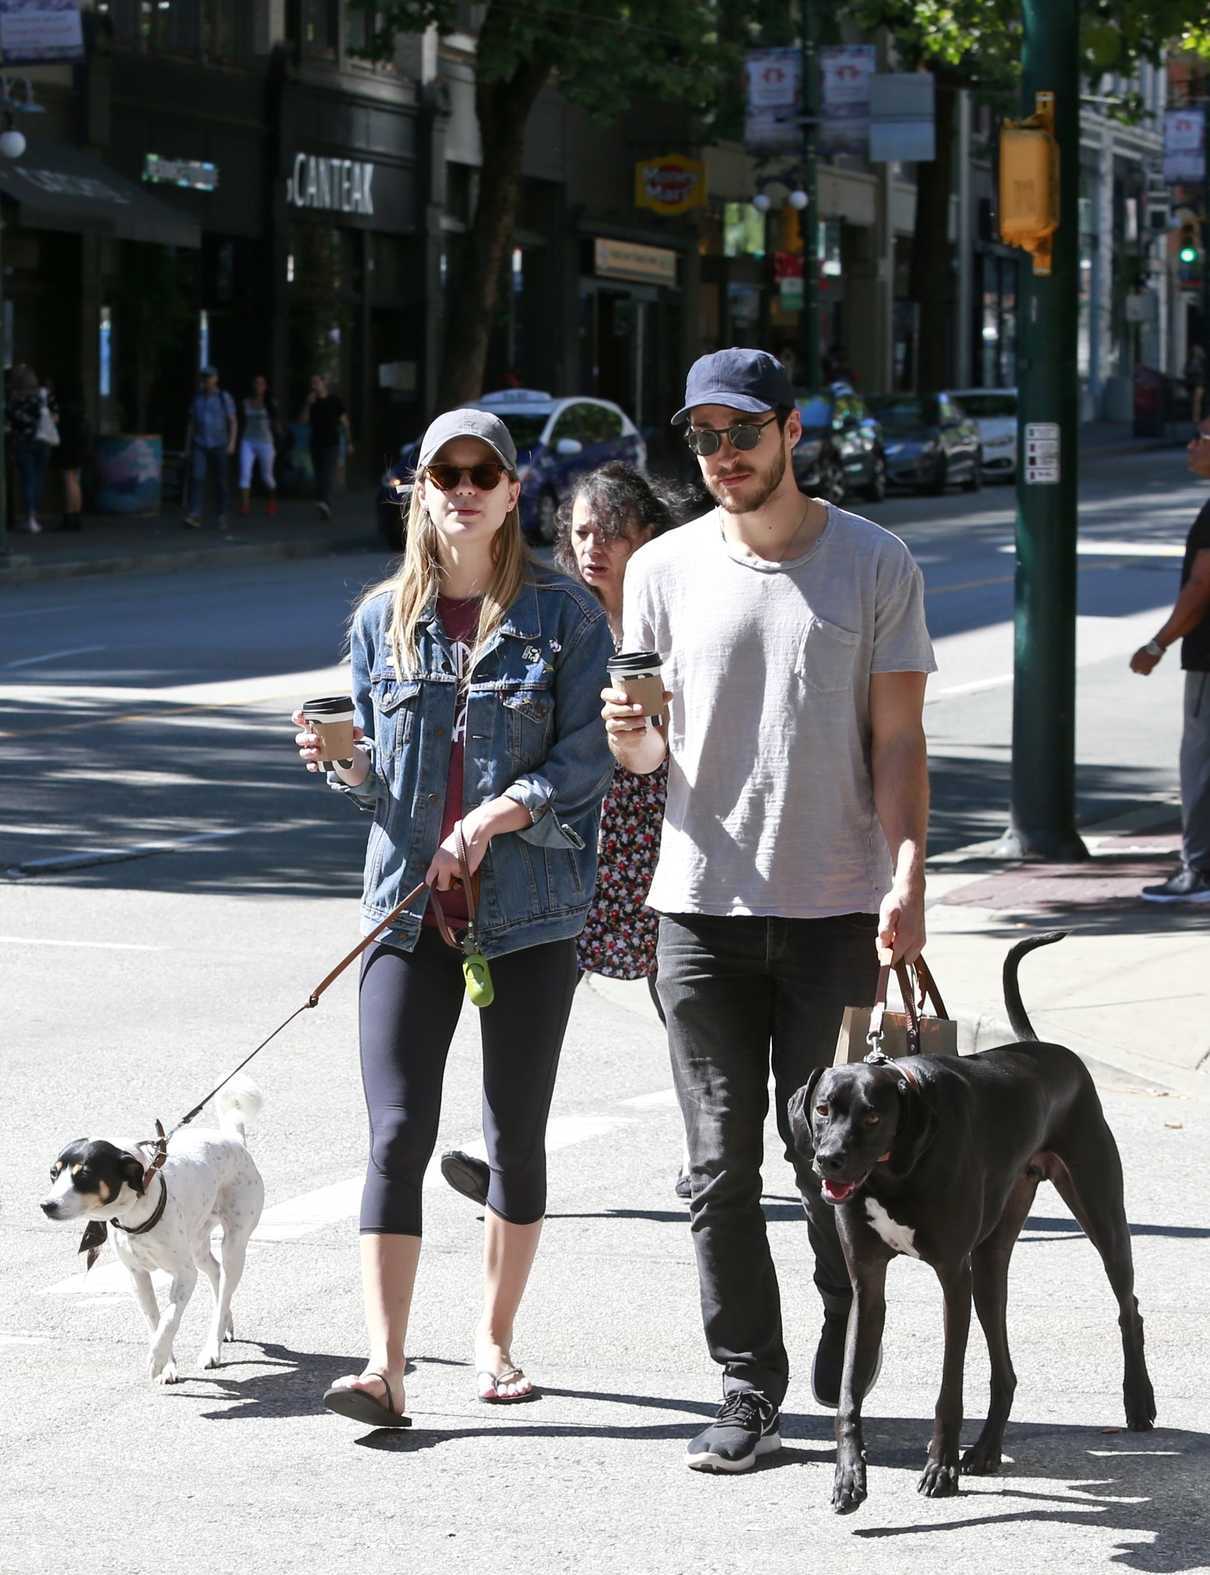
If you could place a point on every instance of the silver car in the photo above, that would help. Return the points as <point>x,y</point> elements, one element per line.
<point>995,412</point>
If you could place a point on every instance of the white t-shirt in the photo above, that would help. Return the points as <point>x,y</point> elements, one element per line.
<point>770,807</point>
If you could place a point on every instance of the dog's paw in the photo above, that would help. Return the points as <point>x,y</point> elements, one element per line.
<point>163,1375</point>
<point>208,1358</point>
<point>848,1485</point>
<point>981,1460</point>
<point>229,1334</point>
<point>1140,1407</point>
<point>939,1481</point>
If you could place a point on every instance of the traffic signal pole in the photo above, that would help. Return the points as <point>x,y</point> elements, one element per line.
<point>1042,825</point>
<point>808,337</point>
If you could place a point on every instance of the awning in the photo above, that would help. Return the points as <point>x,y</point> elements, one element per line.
<point>60,187</point>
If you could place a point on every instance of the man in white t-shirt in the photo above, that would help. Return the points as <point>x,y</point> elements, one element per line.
<point>795,654</point>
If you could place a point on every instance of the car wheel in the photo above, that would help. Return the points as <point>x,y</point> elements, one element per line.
<point>876,490</point>
<point>548,521</point>
<point>975,480</point>
<point>831,480</point>
<point>940,481</point>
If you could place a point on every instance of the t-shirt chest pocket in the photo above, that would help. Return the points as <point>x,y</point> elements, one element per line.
<point>396,702</point>
<point>530,716</point>
<point>827,657</point>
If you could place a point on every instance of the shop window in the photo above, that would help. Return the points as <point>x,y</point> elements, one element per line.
<point>226,30</point>
<point>743,230</point>
<point>318,27</point>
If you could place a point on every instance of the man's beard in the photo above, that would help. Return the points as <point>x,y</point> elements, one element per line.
<point>766,482</point>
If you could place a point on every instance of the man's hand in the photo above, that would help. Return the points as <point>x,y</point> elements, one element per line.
<point>901,925</point>
<point>1144,661</point>
<point>633,741</point>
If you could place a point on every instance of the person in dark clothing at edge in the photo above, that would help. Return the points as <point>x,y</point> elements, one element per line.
<point>1189,622</point>
<point>328,418</point>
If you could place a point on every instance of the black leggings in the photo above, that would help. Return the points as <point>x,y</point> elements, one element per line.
<point>409,1005</point>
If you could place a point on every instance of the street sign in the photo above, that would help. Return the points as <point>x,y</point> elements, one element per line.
<point>771,115</point>
<point>1041,453</point>
<point>902,123</point>
<point>1184,136</point>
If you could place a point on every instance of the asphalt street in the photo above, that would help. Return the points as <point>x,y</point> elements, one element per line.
<point>176,885</point>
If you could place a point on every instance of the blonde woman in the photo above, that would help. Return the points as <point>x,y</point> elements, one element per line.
<point>475,678</point>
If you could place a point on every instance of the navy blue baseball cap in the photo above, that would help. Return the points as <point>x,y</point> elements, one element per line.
<point>748,380</point>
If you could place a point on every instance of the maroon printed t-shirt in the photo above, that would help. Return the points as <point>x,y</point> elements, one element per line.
<point>459,619</point>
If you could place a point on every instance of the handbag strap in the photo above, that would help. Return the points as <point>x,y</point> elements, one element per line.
<point>467,881</point>
<point>928,987</point>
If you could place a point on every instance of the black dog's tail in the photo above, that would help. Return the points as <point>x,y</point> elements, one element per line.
<point>1021,1024</point>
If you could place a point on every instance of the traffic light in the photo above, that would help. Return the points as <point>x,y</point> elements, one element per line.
<point>1029,183</point>
<point>1189,248</point>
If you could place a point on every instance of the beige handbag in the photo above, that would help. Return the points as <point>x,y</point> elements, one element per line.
<point>871,1030</point>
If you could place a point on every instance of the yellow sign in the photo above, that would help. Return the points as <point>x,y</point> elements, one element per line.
<point>630,260</point>
<point>670,184</point>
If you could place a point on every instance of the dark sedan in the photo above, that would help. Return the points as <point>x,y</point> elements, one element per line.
<point>929,442</point>
<point>840,451</point>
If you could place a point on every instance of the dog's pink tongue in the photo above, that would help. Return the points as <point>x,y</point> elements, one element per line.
<point>838,1191</point>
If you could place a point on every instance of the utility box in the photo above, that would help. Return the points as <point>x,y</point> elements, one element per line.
<point>1029,183</point>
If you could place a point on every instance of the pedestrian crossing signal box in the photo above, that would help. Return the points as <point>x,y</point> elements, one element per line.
<point>1029,183</point>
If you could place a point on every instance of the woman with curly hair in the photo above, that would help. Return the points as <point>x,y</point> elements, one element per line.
<point>611,514</point>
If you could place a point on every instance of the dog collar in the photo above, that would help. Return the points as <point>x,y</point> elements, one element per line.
<point>96,1233</point>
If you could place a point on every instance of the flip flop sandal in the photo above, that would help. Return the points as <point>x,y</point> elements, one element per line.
<point>489,1380</point>
<point>361,1406</point>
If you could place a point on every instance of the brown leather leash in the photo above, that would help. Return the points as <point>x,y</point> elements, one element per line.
<point>927,987</point>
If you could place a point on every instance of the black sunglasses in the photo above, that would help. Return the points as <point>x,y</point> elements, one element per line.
<point>485,476</point>
<point>705,441</point>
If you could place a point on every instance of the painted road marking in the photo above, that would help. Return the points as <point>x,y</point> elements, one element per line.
<point>109,946</point>
<point>340,1200</point>
<point>52,656</point>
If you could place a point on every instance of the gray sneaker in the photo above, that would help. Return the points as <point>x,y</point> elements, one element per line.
<point>748,1425</point>
<point>1187,885</point>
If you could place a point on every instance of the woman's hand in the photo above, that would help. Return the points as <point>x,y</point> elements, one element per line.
<point>309,751</point>
<point>478,828</point>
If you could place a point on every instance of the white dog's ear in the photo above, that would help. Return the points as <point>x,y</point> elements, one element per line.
<point>132,1172</point>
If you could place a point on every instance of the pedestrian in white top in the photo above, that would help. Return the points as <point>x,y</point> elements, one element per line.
<point>795,656</point>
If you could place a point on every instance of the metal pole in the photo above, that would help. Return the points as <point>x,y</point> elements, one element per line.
<point>4,546</point>
<point>1043,822</point>
<point>808,336</point>
<point>1204,237</point>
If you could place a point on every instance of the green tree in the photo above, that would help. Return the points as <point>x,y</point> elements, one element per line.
<point>601,54</point>
<point>977,44</point>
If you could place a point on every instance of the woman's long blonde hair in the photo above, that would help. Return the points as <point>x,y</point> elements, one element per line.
<point>418,579</point>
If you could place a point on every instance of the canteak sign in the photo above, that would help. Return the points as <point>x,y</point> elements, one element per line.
<point>338,185</point>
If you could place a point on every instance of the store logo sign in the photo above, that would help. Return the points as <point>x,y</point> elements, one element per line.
<point>337,185</point>
<point>670,185</point>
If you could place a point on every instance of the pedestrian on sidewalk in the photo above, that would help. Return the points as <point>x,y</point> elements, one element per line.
<point>329,423</point>
<point>34,434</point>
<point>795,652</point>
<point>475,677</point>
<point>1189,622</point>
<point>210,434</point>
<point>72,450</point>
<point>611,513</point>
<point>258,444</point>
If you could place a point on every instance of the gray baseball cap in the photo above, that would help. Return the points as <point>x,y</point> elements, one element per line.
<point>468,423</point>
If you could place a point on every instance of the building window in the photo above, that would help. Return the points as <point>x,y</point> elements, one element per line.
<point>319,28</point>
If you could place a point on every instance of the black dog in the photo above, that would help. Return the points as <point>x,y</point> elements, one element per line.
<point>940,1157</point>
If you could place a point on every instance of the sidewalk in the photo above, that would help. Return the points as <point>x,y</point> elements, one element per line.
<point>159,544</point>
<point>1128,989</point>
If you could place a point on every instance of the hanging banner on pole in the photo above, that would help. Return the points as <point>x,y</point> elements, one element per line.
<point>845,72</point>
<point>40,30</point>
<point>1184,141</point>
<point>772,78</point>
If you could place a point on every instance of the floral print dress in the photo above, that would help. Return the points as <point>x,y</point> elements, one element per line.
<point>619,938</point>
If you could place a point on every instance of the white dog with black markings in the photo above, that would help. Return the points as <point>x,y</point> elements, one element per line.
<point>208,1179</point>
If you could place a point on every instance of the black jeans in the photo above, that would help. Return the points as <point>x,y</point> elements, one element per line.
<point>741,995</point>
<point>409,1005</point>
<point>326,460</point>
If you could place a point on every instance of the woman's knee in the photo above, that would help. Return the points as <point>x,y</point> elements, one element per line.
<point>400,1148</point>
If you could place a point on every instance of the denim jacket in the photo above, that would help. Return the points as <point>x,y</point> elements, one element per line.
<point>533,733</point>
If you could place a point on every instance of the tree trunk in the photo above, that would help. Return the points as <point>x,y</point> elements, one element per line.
<point>932,254</point>
<point>503,109</point>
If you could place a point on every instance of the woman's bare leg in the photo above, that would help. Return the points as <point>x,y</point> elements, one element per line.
<point>508,1255</point>
<point>388,1275</point>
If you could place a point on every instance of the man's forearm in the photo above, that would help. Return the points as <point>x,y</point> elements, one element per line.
<point>899,768</point>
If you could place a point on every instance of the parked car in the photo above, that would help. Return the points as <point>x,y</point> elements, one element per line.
<point>840,451</point>
<point>994,411</point>
<point>556,440</point>
<point>929,441</point>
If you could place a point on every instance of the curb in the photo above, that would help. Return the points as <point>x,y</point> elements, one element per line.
<point>24,570</point>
